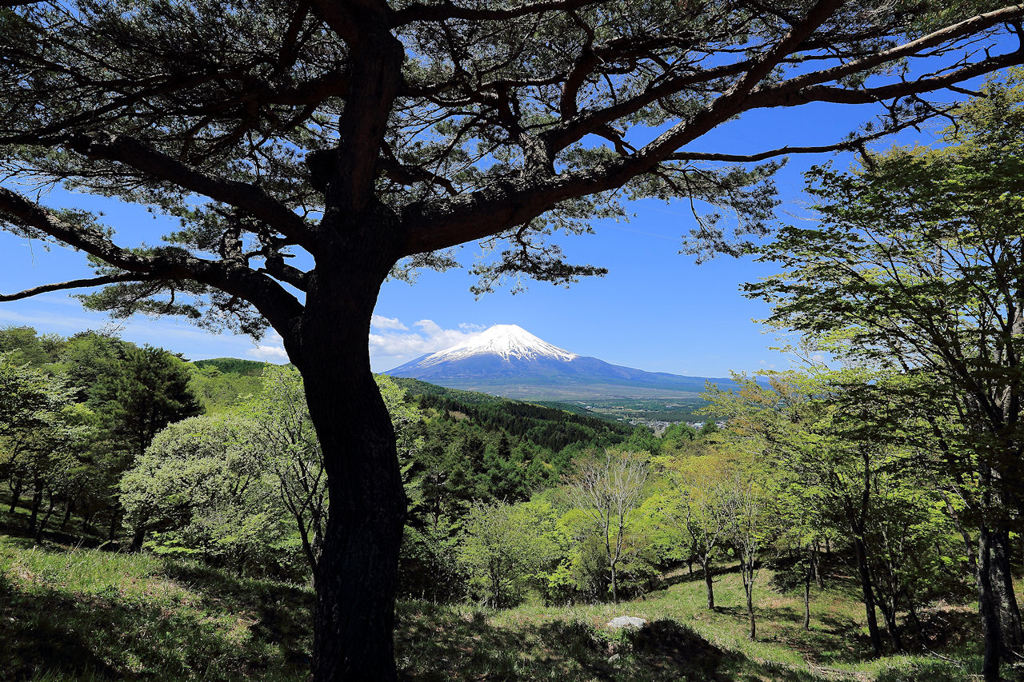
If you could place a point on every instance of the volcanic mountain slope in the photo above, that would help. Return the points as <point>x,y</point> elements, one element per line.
<point>509,361</point>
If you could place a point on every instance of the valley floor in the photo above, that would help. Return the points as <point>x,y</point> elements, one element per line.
<point>74,614</point>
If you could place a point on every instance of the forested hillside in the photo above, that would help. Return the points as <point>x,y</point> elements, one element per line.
<point>203,483</point>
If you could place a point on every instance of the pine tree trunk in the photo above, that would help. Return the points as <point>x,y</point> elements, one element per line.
<point>358,567</point>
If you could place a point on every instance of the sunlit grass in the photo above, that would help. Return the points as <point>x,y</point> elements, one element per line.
<point>81,614</point>
<point>70,613</point>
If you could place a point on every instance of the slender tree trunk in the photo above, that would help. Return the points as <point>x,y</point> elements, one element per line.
<point>37,503</point>
<point>67,514</point>
<point>816,565</point>
<point>807,593</point>
<point>46,519</point>
<point>709,582</point>
<point>358,566</point>
<point>889,613</point>
<point>115,524</point>
<point>918,626</point>
<point>868,593</point>
<point>615,585</point>
<point>15,494</point>
<point>748,589</point>
<point>138,538</point>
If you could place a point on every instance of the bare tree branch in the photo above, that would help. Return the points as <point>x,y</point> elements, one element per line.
<point>75,284</point>
<point>273,301</point>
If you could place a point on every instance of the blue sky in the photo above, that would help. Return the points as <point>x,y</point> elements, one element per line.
<point>655,310</point>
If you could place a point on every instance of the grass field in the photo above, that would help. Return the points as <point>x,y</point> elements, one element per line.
<point>73,614</point>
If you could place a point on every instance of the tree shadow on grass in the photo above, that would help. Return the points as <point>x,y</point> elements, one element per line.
<point>47,633</point>
<point>437,643</point>
<point>283,613</point>
<point>681,576</point>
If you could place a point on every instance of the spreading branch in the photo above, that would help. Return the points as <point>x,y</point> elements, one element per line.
<point>75,284</point>
<point>154,164</point>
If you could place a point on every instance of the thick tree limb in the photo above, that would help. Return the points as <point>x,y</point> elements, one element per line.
<point>247,197</point>
<point>782,97</point>
<point>493,210</point>
<point>445,11</point>
<point>272,300</point>
<point>375,67</point>
<point>946,34</point>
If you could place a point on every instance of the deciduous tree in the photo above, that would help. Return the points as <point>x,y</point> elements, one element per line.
<point>607,488</point>
<point>916,267</point>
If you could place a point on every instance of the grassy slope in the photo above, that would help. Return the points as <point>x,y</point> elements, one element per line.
<point>88,614</point>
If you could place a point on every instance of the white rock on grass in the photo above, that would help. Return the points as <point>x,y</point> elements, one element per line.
<point>627,622</point>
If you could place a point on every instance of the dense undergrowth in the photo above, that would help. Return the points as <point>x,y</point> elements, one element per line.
<point>74,613</point>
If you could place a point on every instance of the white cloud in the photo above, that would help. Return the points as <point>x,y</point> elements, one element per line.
<point>392,343</point>
<point>395,345</point>
<point>272,348</point>
<point>381,322</point>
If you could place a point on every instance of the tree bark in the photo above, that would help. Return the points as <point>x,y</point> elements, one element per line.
<point>358,567</point>
<point>748,588</point>
<point>987,607</point>
<point>68,507</point>
<point>997,603</point>
<point>1006,600</point>
<point>868,593</point>
<point>46,519</point>
<point>15,494</point>
<point>889,613</point>
<point>709,582</point>
<point>807,592</point>
<point>816,565</point>
<point>138,537</point>
<point>37,502</point>
<point>615,585</point>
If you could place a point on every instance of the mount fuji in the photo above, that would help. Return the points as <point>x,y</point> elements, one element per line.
<point>509,361</point>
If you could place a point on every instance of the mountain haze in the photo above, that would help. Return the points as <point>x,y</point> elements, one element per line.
<point>509,361</point>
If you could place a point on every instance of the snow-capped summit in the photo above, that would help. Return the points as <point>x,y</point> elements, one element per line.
<point>507,341</point>
<point>510,361</point>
